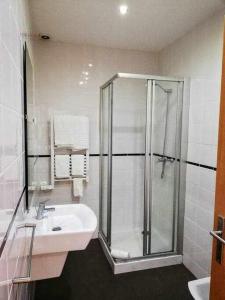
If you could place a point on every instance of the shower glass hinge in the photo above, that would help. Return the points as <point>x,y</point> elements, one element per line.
<point>146,232</point>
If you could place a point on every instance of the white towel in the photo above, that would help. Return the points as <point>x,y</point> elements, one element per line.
<point>81,132</point>
<point>62,166</point>
<point>63,130</point>
<point>121,254</point>
<point>71,131</point>
<point>78,187</point>
<point>77,165</point>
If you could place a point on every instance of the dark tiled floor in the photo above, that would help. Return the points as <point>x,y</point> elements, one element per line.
<point>88,276</point>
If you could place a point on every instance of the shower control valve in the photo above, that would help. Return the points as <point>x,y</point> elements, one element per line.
<point>165,159</point>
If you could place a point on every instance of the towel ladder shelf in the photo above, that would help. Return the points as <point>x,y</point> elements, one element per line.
<point>56,150</point>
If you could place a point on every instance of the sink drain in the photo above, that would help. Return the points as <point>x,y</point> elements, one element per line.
<point>58,228</point>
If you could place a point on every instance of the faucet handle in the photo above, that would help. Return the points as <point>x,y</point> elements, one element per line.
<point>41,204</point>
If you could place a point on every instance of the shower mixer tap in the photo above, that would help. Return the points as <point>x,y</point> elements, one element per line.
<point>163,160</point>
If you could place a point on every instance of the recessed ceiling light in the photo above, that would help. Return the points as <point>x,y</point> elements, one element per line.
<point>81,83</point>
<point>123,9</point>
<point>90,65</point>
<point>44,36</point>
<point>85,72</point>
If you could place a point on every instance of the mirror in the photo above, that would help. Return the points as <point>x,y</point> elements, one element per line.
<point>13,181</point>
<point>30,123</point>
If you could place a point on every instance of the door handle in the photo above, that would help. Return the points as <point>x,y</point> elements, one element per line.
<point>218,235</point>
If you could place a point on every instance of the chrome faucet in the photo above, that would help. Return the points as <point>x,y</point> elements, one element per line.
<point>42,210</point>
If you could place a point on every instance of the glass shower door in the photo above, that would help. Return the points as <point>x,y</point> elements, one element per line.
<point>128,166</point>
<point>105,159</point>
<point>165,138</point>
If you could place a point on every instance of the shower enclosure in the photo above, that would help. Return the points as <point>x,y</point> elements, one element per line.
<point>141,202</point>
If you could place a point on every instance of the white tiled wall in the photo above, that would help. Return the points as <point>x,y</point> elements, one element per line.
<point>57,88</point>
<point>58,71</point>
<point>198,55</point>
<point>59,68</point>
<point>14,27</point>
<point>200,188</point>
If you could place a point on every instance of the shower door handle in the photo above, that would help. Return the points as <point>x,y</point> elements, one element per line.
<point>219,235</point>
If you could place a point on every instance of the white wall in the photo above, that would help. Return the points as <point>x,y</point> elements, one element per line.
<point>58,71</point>
<point>14,28</point>
<point>198,55</point>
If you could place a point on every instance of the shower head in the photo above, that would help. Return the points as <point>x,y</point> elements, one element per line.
<point>168,91</point>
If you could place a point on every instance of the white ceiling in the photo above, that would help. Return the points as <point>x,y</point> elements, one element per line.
<point>149,24</point>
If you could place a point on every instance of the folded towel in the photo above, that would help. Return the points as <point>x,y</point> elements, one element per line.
<point>71,131</point>
<point>63,130</point>
<point>81,132</point>
<point>78,187</point>
<point>120,254</point>
<point>77,165</point>
<point>62,166</point>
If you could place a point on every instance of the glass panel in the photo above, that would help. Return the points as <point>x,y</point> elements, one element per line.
<point>104,156</point>
<point>128,165</point>
<point>163,166</point>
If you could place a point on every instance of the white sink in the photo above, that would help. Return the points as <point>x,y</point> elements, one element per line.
<point>77,223</point>
<point>200,288</point>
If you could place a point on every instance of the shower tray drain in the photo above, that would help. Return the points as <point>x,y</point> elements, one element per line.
<point>57,228</point>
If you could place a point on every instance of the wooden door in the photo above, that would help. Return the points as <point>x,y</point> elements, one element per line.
<point>217,289</point>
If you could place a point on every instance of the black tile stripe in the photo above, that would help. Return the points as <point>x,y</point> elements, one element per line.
<point>11,222</point>
<point>40,155</point>
<point>169,157</point>
<point>200,165</point>
<point>139,154</point>
<point>128,154</point>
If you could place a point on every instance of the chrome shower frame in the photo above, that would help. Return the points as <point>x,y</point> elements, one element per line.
<point>159,259</point>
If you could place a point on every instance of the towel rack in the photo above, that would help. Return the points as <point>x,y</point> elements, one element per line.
<point>55,150</point>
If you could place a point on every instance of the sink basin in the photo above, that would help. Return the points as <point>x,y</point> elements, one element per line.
<point>77,223</point>
<point>200,288</point>
<point>70,227</point>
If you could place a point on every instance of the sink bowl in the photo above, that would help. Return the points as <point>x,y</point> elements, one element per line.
<point>77,223</point>
<point>69,228</point>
